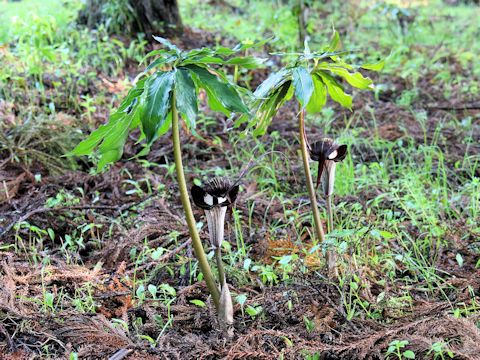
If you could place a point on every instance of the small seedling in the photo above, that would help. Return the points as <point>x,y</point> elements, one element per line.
<point>254,310</point>
<point>309,324</point>
<point>241,300</point>
<point>395,350</point>
<point>440,351</point>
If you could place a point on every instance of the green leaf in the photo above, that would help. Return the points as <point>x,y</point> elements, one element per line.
<point>156,102</point>
<point>87,146</point>
<point>409,354</point>
<point>186,96</point>
<point>248,44</point>
<point>335,42</point>
<point>335,90</point>
<point>219,92</point>
<point>198,303</point>
<point>153,53</point>
<point>269,108</point>
<point>162,130</point>
<point>247,62</point>
<point>271,82</point>
<point>224,51</point>
<point>109,157</point>
<point>166,43</point>
<point>319,96</point>
<point>378,66</point>
<point>386,234</point>
<point>356,79</point>
<point>160,61</point>
<point>113,143</point>
<point>459,259</point>
<point>203,60</point>
<point>303,83</point>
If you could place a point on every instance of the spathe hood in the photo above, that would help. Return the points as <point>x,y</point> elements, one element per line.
<point>218,191</point>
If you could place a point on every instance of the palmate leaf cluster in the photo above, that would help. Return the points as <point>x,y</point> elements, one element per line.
<point>148,105</point>
<point>311,77</point>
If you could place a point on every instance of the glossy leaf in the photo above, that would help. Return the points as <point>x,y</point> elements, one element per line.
<point>356,79</point>
<point>319,96</point>
<point>271,82</point>
<point>302,81</point>
<point>335,42</point>
<point>204,60</point>
<point>335,90</point>
<point>219,92</point>
<point>112,145</point>
<point>186,96</point>
<point>156,102</point>
<point>269,108</point>
<point>160,61</point>
<point>88,145</point>
<point>224,51</point>
<point>166,43</point>
<point>374,67</point>
<point>153,53</point>
<point>247,62</point>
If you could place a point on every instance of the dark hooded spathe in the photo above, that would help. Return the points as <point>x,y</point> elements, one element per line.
<point>218,191</point>
<point>327,149</point>
<point>327,152</point>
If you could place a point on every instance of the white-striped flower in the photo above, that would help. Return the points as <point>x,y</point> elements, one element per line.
<point>214,197</point>
<point>327,152</point>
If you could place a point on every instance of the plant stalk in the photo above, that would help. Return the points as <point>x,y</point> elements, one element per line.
<point>331,255</point>
<point>216,228</point>
<point>221,271</point>
<point>308,176</point>
<point>187,208</point>
<point>328,201</point>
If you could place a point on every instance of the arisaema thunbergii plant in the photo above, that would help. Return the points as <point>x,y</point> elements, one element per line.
<point>310,77</point>
<point>327,152</point>
<point>214,198</point>
<point>169,86</point>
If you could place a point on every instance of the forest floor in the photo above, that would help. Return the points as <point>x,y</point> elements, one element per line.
<point>92,264</point>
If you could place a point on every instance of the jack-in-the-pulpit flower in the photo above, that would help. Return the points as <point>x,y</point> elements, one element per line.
<point>215,196</point>
<point>327,152</point>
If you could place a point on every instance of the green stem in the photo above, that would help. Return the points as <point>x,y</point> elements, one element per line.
<point>331,255</point>
<point>235,74</point>
<point>310,186</point>
<point>187,208</point>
